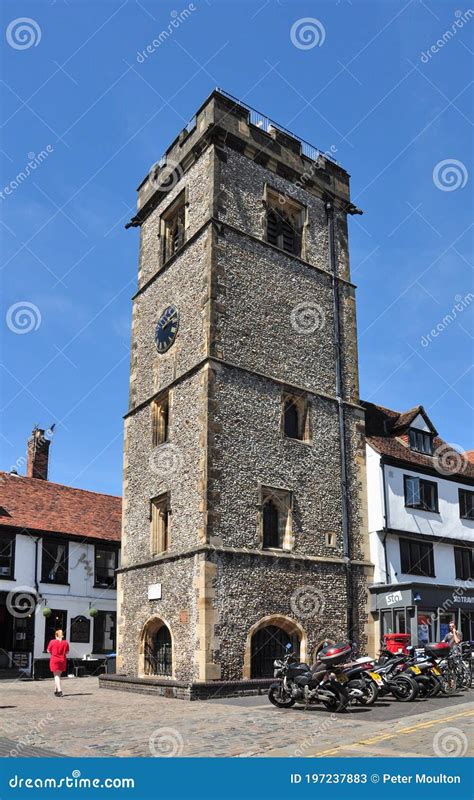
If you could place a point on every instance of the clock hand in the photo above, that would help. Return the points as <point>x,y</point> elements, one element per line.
<point>172,319</point>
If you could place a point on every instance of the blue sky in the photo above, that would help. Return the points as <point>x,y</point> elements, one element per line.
<point>73,89</point>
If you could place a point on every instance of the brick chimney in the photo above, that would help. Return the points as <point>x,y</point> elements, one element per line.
<point>38,455</point>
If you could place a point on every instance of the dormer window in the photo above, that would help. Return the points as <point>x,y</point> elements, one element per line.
<point>421,442</point>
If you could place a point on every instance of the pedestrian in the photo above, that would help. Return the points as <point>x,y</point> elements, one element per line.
<point>58,648</point>
<point>453,637</point>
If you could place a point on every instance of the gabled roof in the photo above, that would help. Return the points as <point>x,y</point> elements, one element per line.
<point>385,428</point>
<point>34,505</point>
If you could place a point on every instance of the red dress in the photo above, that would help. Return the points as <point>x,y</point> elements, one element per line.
<point>57,648</point>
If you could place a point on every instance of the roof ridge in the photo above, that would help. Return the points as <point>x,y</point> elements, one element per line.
<point>61,485</point>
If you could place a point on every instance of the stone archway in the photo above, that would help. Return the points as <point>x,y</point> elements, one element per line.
<point>284,624</point>
<point>156,656</point>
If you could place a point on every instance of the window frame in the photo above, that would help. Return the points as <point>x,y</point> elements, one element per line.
<point>289,211</point>
<point>465,493</point>
<point>464,568</point>
<point>422,484</point>
<point>414,558</point>
<point>167,218</point>
<point>9,538</point>
<point>282,499</point>
<point>160,430</point>
<point>160,513</point>
<point>98,617</point>
<point>58,543</point>
<point>303,408</point>
<point>47,626</point>
<point>105,548</point>
<point>424,436</point>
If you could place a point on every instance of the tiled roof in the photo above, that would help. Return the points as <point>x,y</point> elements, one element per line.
<point>37,505</point>
<point>386,432</point>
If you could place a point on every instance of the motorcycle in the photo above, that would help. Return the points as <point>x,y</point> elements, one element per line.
<point>402,686</point>
<point>299,683</point>
<point>362,683</point>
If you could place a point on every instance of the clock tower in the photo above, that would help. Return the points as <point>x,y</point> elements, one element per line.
<point>244,521</point>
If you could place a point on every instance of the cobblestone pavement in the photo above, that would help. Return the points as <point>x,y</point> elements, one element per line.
<point>89,721</point>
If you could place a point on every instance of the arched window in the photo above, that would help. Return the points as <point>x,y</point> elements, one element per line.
<point>271,527</point>
<point>267,644</point>
<point>158,650</point>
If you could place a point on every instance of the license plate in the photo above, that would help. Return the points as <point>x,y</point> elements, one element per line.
<point>376,677</point>
<point>416,670</point>
<point>436,671</point>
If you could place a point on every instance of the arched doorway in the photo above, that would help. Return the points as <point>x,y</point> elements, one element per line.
<point>267,641</point>
<point>156,649</point>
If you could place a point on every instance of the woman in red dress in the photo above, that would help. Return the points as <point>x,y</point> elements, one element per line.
<point>58,649</point>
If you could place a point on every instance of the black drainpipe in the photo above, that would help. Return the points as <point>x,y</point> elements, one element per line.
<point>340,414</point>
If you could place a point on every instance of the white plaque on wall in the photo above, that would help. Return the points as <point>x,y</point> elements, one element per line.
<point>154,591</point>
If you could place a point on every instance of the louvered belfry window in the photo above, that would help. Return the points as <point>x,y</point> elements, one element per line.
<point>284,224</point>
<point>174,228</point>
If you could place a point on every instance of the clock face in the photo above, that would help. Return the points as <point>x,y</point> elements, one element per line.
<point>167,329</point>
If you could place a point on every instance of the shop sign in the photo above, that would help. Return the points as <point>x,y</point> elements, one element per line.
<point>394,597</point>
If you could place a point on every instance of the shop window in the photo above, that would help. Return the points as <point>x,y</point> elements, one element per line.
<point>295,416</point>
<point>56,621</point>
<point>160,513</point>
<point>104,632</point>
<point>284,223</point>
<point>160,420</point>
<point>420,493</point>
<point>421,442</point>
<point>105,564</point>
<point>386,623</point>
<point>54,562</point>
<point>464,563</point>
<point>466,504</point>
<point>400,620</point>
<point>276,518</point>
<point>426,627</point>
<point>416,557</point>
<point>173,228</point>
<point>7,556</point>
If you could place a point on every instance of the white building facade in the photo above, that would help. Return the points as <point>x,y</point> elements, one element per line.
<point>59,550</point>
<point>421,527</point>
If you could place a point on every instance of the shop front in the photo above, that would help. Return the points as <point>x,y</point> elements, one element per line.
<point>17,631</point>
<point>423,611</point>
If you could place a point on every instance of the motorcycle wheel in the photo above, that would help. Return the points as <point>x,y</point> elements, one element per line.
<point>339,702</point>
<point>404,689</point>
<point>278,699</point>
<point>436,688</point>
<point>371,692</point>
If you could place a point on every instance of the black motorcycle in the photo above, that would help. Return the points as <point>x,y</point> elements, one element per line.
<point>299,683</point>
